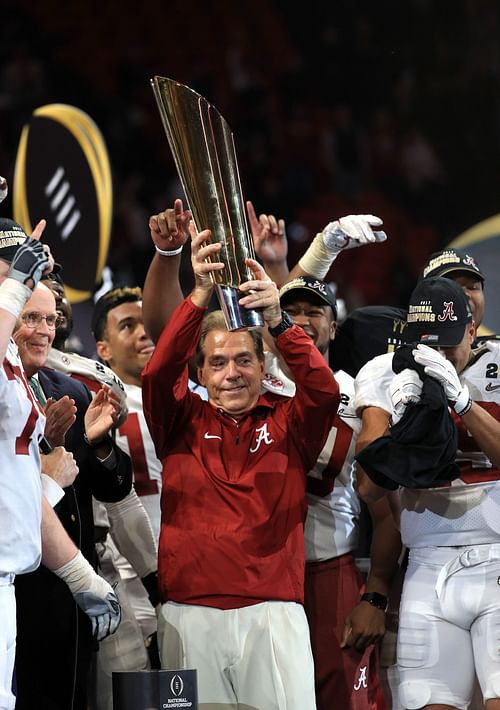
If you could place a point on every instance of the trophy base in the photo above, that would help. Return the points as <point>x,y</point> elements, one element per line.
<point>237,317</point>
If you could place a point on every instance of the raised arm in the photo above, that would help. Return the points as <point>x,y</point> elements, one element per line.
<point>162,290</point>
<point>270,244</point>
<point>345,233</point>
<point>317,392</point>
<point>19,279</point>
<point>165,389</point>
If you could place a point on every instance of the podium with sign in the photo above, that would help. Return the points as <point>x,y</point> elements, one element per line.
<point>155,690</point>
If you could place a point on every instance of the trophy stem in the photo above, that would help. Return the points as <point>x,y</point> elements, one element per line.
<point>237,317</point>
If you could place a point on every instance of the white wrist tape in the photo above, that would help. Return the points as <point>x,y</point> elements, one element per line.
<point>318,258</point>
<point>463,403</point>
<point>78,575</point>
<point>13,296</point>
<point>173,252</point>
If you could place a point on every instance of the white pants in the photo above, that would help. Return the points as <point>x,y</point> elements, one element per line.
<point>449,626</point>
<point>7,640</point>
<point>257,656</point>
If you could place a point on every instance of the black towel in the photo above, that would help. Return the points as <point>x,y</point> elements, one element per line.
<point>421,449</point>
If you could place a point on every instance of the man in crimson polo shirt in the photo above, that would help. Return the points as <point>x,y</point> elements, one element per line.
<point>231,558</point>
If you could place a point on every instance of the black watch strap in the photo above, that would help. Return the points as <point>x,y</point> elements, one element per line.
<point>285,323</point>
<point>377,600</point>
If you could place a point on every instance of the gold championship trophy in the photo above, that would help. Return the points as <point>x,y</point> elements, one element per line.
<point>203,149</point>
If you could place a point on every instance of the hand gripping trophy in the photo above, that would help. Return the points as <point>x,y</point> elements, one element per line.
<point>203,149</point>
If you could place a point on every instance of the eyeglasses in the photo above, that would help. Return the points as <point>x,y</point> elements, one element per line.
<point>32,319</point>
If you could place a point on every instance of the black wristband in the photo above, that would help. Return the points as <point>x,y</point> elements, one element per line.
<point>285,323</point>
<point>379,601</point>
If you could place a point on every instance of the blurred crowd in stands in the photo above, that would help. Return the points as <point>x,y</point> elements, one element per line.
<point>336,107</point>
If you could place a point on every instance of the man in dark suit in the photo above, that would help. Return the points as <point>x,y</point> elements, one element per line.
<point>55,639</point>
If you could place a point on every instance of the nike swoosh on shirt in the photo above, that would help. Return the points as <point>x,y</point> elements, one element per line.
<point>211,436</point>
<point>490,387</point>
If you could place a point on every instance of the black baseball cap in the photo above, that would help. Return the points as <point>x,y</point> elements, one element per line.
<point>12,235</point>
<point>438,313</point>
<point>306,283</point>
<point>446,261</point>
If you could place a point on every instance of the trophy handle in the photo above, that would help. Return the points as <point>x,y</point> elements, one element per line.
<point>203,149</point>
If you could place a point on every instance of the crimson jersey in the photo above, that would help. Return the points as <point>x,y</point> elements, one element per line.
<point>22,424</point>
<point>467,511</point>
<point>233,497</point>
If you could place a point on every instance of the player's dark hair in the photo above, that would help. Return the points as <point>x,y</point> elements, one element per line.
<point>110,300</point>
<point>216,321</point>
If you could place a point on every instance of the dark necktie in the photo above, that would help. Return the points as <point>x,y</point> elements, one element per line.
<point>38,391</point>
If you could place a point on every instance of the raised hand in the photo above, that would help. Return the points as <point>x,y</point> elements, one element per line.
<point>32,259</point>
<point>269,236</point>
<point>353,231</point>
<point>344,233</point>
<point>102,415</point>
<point>4,188</point>
<point>261,292</point>
<point>203,255</point>
<point>170,228</point>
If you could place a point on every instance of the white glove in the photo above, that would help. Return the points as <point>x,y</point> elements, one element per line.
<point>93,595</point>
<point>405,388</point>
<point>355,230</point>
<point>437,366</point>
<point>4,188</point>
<point>345,233</point>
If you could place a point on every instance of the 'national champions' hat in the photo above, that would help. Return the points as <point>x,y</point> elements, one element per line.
<point>438,312</point>
<point>12,235</point>
<point>444,262</point>
<point>305,283</point>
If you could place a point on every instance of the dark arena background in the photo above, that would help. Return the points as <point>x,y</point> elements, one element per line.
<point>336,107</point>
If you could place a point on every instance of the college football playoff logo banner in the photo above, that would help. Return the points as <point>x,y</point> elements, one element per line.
<point>62,174</point>
<point>482,241</point>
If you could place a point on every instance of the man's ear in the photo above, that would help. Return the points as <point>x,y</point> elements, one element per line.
<point>103,350</point>
<point>201,379</point>
<point>333,329</point>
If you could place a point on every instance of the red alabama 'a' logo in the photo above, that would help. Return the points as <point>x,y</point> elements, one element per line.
<point>448,313</point>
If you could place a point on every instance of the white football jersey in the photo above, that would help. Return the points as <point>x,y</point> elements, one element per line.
<point>134,438</point>
<point>372,384</point>
<point>331,527</point>
<point>467,511</point>
<point>22,424</point>
<point>91,372</point>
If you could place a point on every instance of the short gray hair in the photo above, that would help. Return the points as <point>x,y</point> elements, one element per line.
<point>216,321</point>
